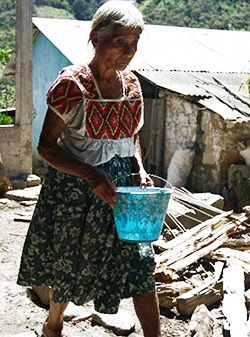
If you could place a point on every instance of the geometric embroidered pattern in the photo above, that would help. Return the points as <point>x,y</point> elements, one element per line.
<point>104,119</point>
<point>65,96</point>
<point>112,120</point>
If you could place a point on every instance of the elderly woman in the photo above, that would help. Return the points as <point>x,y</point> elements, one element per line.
<point>89,138</point>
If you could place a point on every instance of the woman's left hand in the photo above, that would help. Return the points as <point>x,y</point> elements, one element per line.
<point>146,181</point>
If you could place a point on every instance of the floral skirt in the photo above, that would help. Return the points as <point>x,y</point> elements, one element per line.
<point>72,245</point>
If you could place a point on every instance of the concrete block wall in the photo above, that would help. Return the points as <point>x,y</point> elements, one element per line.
<point>180,124</point>
<point>217,150</point>
<point>216,141</point>
<point>206,173</point>
<point>15,145</point>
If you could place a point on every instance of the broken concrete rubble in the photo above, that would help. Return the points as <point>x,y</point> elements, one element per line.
<point>201,323</point>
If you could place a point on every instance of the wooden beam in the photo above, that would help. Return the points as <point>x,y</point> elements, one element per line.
<point>167,293</point>
<point>242,243</point>
<point>208,293</point>
<point>190,236</point>
<point>202,241</point>
<point>233,305</point>
<point>224,254</point>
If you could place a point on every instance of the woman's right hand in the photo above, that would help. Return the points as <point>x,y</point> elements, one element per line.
<point>103,187</point>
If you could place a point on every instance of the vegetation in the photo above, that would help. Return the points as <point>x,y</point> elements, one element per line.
<point>7,86</point>
<point>7,93</point>
<point>56,13</point>
<point>216,14</point>
<point>84,10</point>
<point>5,119</point>
<point>7,43</point>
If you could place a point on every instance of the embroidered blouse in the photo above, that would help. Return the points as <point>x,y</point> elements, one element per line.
<point>96,129</point>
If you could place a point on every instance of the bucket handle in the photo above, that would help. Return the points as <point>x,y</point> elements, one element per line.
<point>150,175</point>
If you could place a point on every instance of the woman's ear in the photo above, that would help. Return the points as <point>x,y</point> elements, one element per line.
<point>93,38</point>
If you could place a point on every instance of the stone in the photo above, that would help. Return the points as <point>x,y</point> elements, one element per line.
<point>18,183</point>
<point>122,323</point>
<point>28,202</point>
<point>29,193</point>
<point>22,334</point>
<point>244,151</point>
<point>33,180</point>
<point>4,201</point>
<point>5,183</point>
<point>76,313</point>
<point>22,218</point>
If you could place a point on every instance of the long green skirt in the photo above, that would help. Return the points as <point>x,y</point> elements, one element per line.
<point>72,245</point>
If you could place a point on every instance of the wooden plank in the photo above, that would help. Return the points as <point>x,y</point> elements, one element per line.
<point>195,256</point>
<point>190,236</point>
<point>167,293</point>
<point>233,305</point>
<point>165,275</point>
<point>195,248</point>
<point>224,254</point>
<point>201,243</point>
<point>190,199</point>
<point>242,243</point>
<point>208,293</point>
<point>152,135</point>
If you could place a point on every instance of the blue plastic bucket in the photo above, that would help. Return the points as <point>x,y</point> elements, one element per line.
<point>139,212</point>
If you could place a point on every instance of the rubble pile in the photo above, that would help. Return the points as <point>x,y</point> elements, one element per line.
<point>206,264</point>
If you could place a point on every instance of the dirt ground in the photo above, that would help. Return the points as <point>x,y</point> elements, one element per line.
<point>20,316</point>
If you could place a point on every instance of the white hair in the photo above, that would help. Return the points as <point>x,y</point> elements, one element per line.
<point>117,13</point>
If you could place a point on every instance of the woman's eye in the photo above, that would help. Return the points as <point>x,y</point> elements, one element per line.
<point>119,43</point>
<point>123,44</point>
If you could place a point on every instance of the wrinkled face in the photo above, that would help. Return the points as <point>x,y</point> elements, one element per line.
<point>118,48</point>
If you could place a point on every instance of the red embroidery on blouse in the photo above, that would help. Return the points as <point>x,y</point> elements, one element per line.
<point>64,96</point>
<point>104,119</point>
<point>112,120</point>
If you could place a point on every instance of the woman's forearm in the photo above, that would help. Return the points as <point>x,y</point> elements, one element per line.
<point>137,164</point>
<point>65,163</point>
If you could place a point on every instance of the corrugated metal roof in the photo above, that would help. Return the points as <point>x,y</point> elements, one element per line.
<point>223,93</point>
<point>69,36</point>
<point>188,60</point>
<point>160,47</point>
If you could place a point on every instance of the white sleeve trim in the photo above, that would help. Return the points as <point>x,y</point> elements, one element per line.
<point>57,113</point>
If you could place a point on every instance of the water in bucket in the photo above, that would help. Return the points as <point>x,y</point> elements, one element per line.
<point>139,212</point>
